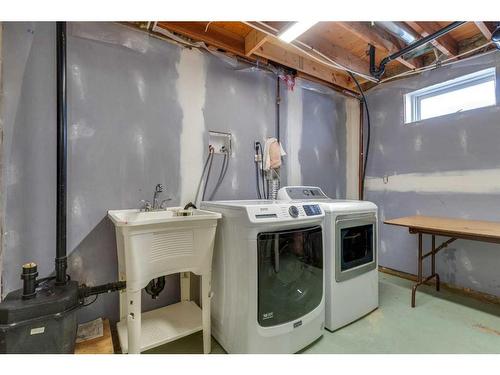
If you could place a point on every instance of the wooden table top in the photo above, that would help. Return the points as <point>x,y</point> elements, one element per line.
<point>460,228</point>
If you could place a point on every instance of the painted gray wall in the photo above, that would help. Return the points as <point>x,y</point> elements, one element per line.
<point>139,114</point>
<point>465,144</point>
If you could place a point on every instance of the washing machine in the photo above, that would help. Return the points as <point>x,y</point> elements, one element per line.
<point>267,275</point>
<point>351,257</point>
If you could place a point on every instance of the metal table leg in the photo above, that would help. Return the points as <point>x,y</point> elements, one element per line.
<point>420,279</point>
<point>419,274</point>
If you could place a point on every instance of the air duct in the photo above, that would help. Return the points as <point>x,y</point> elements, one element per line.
<point>495,36</point>
<point>378,72</point>
<point>399,30</point>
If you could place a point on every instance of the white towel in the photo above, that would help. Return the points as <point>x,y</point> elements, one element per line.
<point>272,154</point>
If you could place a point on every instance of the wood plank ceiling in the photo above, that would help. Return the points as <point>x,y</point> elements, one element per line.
<point>323,51</point>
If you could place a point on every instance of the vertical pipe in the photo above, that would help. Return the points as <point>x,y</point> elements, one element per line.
<point>278,102</point>
<point>361,151</point>
<point>1,165</point>
<point>61,260</point>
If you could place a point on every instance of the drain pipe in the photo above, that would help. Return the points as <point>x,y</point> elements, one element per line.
<point>278,102</point>
<point>61,262</point>
<point>378,72</point>
<point>361,159</point>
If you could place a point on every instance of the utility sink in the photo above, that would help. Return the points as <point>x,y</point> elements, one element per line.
<point>151,244</point>
<point>156,243</point>
<point>138,217</point>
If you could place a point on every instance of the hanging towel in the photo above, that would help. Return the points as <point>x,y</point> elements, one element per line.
<point>272,154</point>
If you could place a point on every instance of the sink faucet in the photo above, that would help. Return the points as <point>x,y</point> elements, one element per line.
<point>156,205</point>
<point>158,191</point>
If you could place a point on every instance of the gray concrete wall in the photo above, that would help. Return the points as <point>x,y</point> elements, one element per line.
<point>139,114</point>
<point>445,166</point>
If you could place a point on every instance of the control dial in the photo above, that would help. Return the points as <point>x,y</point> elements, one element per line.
<point>293,211</point>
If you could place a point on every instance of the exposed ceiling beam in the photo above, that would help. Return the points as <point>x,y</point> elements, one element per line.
<point>254,40</point>
<point>380,39</point>
<point>235,44</point>
<point>295,61</point>
<point>485,29</point>
<point>213,35</point>
<point>318,48</point>
<point>338,54</point>
<point>446,44</point>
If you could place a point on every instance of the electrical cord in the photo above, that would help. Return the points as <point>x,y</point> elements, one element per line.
<point>368,131</point>
<point>259,195</point>
<point>91,302</point>
<point>260,177</point>
<point>264,191</point>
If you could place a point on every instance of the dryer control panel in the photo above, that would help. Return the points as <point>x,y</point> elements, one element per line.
<point>301,193</point>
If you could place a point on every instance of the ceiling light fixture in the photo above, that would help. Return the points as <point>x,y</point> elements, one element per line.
<point>296,29</point>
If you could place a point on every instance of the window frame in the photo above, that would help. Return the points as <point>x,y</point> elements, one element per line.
<point>414,99</point>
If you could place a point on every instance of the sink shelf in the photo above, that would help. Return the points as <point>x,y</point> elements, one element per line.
<point>164,325</point>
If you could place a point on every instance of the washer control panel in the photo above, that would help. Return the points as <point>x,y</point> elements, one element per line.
<point>312,209</point>
<point>284,211</point>
<point>294,211</point>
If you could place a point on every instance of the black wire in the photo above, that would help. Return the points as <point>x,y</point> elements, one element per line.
<point>264,192</point>
<point>259,176</point>
<point>90,303</point>
<point>257,180</point>
<point>368,131</point>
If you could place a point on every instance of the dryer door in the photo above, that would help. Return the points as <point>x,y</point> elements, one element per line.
<point>290,268</point>
<point>355,246</point>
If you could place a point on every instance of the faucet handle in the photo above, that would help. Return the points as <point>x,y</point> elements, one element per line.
<point>163,204</point>
<point>146,205</point>
<point>159,188</point>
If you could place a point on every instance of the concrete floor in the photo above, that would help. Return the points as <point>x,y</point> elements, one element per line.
<point>442,322</point>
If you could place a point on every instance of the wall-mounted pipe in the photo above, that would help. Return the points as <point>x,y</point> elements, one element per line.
<point>361,159</point>
<point>377,72</point>
<point>278,102</point>
<point>61,262</point>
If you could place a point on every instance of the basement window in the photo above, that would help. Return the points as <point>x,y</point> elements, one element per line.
<point>467,92</point>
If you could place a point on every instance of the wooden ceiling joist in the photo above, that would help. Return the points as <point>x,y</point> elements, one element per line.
<point>446,44</point>
<point>296,61</point>
<point>212,34</point>
<point>338,54</point>
<point>254,40</point>
<point>485,28</point>
<point>328,48</point>
<point>258,45</point>
<point>380,39</point>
